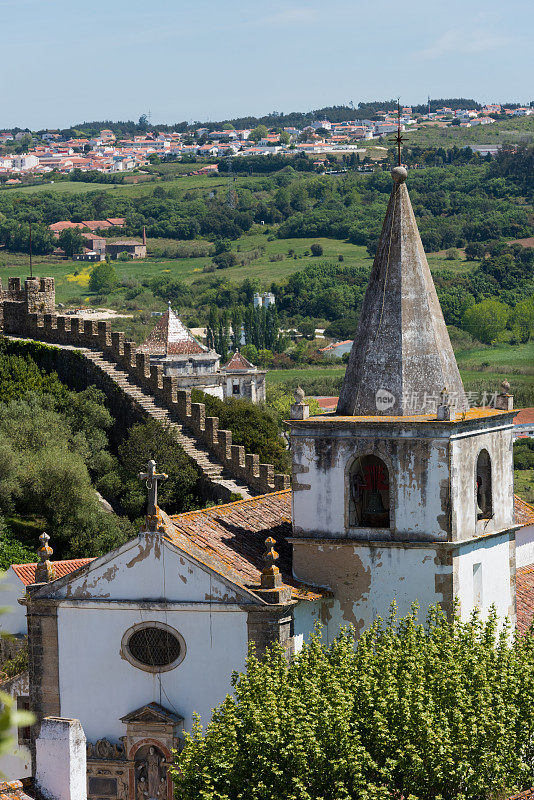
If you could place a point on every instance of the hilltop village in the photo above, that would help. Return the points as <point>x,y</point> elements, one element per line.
<point>48,151</point>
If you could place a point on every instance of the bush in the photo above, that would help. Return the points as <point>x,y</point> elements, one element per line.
<point>316,249</point>
<point>103,278</point>
<point>251,425</point>
<point>442,710</point>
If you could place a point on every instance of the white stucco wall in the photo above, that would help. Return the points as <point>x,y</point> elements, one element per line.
<point>493,576</point>
<point>146,580</point>
<point>524,546</point>
<point>417,471</point>
<point>98,685</point>
<point>13,620</point>
<point>365,580</point>
<point>465,449</point>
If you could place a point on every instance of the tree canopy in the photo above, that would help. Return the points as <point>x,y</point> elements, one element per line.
<point>442,711</point>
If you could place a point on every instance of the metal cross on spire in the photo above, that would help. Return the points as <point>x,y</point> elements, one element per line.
<point>151,477</point>
<point>399,139</point>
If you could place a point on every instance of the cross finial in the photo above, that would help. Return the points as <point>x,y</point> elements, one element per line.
<point>399,139</point>
<point>151,477</point>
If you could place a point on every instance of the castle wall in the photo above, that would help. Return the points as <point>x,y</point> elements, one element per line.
<point>78,333</point>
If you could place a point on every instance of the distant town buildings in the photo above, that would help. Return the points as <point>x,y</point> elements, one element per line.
<point>105,153</point>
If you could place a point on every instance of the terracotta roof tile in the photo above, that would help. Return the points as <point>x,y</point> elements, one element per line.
<point>523,511</point>
<point>528,794</point>
<point>26,572</point>
<point>171,337</point>
<point>13,790</point>
<point>231,538</point>
<point>238,362</point>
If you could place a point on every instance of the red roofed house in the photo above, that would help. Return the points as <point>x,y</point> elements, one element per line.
<point>182,356</point>
<point>244,379</point>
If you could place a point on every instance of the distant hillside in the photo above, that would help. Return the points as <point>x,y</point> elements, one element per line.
<point>275,119</point>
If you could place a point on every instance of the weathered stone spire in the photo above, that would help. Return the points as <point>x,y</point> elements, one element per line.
<point>402,355</point>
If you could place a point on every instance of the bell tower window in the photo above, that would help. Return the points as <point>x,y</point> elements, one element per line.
<point>369,493</point>
<point>484,503</point>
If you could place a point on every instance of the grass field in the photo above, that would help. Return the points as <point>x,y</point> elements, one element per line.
<point>524,484</point>
<point>515,358</point>
<point>189,269</point>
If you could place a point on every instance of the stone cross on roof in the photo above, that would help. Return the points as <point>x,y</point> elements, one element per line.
<point>151,477</point>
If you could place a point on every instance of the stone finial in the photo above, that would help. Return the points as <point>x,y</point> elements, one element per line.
<point>445,410</point>
<point>152,478</point>
<point>504,400</point>
<point>299,409</point>
<point>44,571</point>
<point>270,577</point>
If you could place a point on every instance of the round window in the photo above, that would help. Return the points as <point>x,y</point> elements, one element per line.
<point>153,646</point>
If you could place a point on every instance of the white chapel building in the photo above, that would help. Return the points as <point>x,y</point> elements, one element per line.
<point>403,494</point>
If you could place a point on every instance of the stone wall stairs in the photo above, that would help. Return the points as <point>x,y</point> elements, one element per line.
<point>215,476</point>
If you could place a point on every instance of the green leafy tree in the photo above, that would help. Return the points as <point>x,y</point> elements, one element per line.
<point>523,320</point>
<point>71,241</point>
<point>442,710</point>
<point>257,133</point>
<point>103,278</point>
<point>486,321</point>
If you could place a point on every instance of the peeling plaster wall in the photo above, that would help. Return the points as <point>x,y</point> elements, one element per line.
<point>98,685</point>
<point>147,568</point>
<point>464,454</point>
<point>496,557</point>
<point>524,544</point>
<point>365,579</point>
<point>418,476</point>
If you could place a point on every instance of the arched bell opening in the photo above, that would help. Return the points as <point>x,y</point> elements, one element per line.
<point>369,504</point>
<point>483,489</point>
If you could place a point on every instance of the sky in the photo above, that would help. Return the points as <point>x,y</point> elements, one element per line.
<point>64,61</point>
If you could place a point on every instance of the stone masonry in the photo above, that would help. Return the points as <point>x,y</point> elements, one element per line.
<point>122,362</point>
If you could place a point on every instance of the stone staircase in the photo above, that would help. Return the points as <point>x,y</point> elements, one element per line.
<point>218,482</point>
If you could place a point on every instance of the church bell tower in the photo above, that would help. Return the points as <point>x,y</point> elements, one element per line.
<point>404,493</point>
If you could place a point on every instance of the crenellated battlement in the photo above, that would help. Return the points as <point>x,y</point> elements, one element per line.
<point>29,312</point>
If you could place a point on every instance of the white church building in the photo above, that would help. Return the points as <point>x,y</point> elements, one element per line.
<point>403,494</point>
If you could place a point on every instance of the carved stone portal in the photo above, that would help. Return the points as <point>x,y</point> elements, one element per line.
<point>150,774</point>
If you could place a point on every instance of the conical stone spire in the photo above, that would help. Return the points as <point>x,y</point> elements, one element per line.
<point>402,357</point>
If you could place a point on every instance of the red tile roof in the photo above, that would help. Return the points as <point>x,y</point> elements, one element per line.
<point>171,337</point>
<point>12,790</point>
<point>116,221</point>
<point>238,362</point>
<point>231,538</point>
<point>525,597</point>
<point>524,416</point>
<point>523,511</point>
<point>528,794</point>
<point>26,572</point>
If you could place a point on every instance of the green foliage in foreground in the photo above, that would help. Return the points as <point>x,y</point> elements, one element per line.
<point>437,712</point>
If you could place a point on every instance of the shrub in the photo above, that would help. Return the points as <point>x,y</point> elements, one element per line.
<point>316,249</point>
<point>442,710</point>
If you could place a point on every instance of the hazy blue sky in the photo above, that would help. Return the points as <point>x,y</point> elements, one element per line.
<point>65,61</point>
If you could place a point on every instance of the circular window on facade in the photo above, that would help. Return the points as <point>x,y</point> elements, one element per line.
<point>153,646</point>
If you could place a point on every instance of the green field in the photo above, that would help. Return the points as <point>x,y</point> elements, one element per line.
<point>518,359</point>
<point>524,484</point>
<point>190,269</point>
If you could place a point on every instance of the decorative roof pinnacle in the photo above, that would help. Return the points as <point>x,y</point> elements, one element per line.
<point>44,571</point>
